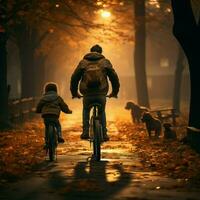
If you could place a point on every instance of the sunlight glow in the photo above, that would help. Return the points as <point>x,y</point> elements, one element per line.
<point>51,30</point>
<point>168,10</point>
<point>157,6</point>
<point>99,3</point>
<point>154,3</point>
<point>112,175</point>
<point>105,14</point>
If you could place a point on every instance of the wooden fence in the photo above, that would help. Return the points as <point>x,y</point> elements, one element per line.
<point>21,109</point>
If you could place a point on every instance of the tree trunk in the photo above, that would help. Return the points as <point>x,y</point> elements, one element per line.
<point>4,112</point>
<point>25,40</point>
<point>40,78</point>
<point>32,66</point>
<point>187,33</point>
<point>139,54</point>
<point>27,72</point>
<point>178,80</point>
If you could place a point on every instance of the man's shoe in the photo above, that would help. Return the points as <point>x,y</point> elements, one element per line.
<point>106,138</point>
<point>84,136</point>
<point>61,140</point>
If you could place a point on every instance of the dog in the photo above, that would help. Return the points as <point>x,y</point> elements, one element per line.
<point>152,124</point>
<point>136,111</point>
<point>168,132</point>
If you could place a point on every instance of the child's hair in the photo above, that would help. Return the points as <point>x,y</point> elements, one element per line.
<point>50,86</point>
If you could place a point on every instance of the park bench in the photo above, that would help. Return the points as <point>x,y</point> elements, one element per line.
<point>166,114</point>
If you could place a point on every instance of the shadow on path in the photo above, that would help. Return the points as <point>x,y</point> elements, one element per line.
<point>90,181</point>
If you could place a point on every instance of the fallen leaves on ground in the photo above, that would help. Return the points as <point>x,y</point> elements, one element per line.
<point>171,158</point>
<point>21,149</point>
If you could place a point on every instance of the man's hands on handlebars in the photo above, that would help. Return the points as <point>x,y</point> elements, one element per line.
<point>77,96</point>
<point>69,112</point>
<point>112,95</point>
<point>109,96</point>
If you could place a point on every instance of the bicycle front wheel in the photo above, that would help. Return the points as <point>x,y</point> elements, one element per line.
<point>97,140</point>
<point>51,142</point>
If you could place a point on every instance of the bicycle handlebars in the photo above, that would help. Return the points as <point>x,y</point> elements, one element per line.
<point>81,96</point>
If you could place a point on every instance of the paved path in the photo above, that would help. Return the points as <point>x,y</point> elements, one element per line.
<point>119,175</point>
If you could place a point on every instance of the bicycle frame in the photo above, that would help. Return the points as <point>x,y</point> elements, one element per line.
<point>51,142</point>
<point>95,132</point>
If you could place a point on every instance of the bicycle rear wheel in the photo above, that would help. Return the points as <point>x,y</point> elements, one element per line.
<point>51,142</point>
<point>97,140</point>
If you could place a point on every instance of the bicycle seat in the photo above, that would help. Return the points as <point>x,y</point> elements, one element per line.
<point>51,121</point>
<point>95,105</point>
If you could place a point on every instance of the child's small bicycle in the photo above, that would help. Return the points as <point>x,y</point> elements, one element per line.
<point>51,148</point>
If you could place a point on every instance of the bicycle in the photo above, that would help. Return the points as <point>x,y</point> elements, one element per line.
<point>51,142</point>
<point>96,131</point>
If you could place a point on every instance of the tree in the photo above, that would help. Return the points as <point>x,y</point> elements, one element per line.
<point>149,16</point>
<point>4,118</point>
<point>180,65</point>
<point>21,20</point>
<point>34,27</point>
<point>139,54</point>
<point>187,32</point>
<point>30,23</point>
<point>159,18</point>
<point>29,39</point>
<point>7,14</point>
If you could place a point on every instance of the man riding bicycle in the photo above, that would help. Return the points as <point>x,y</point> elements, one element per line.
<point>92,73</point>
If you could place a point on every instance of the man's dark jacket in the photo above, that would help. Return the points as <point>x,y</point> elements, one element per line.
<point>108,71</point>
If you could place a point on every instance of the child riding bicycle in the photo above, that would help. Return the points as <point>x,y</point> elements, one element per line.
<point>50,106</point>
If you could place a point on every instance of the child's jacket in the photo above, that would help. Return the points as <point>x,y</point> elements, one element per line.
<point>52,104</point>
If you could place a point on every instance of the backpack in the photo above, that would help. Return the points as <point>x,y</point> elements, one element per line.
<point>94,77</point>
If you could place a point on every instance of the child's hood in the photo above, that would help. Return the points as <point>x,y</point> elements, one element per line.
<point>50,96</point>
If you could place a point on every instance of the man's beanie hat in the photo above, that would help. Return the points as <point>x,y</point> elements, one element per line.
<point>96,48</point>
